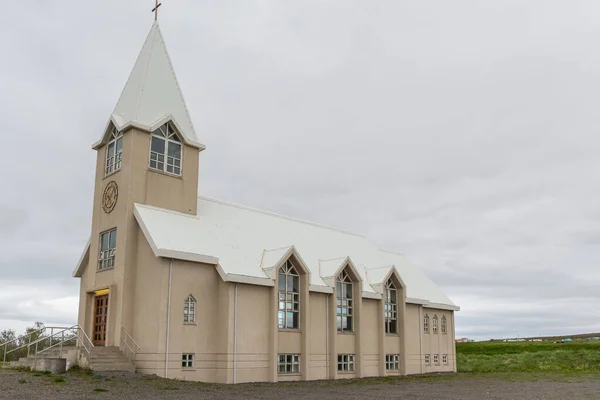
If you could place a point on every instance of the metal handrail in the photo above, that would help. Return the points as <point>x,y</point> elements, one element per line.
<point>5,344</point>
<point>125,335</point>
<point>76,329</point>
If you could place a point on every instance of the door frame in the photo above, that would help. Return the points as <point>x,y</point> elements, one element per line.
<point>106,291</point>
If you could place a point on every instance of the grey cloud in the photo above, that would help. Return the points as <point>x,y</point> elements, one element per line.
<point>463,134</point>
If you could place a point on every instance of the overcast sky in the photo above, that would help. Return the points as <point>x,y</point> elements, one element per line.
<point>463,133</point>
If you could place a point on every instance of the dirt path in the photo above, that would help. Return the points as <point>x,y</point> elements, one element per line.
<point>27,385</point>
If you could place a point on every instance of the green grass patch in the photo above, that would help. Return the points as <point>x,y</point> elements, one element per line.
<point>59,379</point>
<point>77,370</point>
<point>487,357</point>
<point>100,390</point>
<point>22,381</point>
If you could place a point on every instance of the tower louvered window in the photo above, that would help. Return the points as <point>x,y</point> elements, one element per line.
<point>114,151</point>
<point>165,150</point>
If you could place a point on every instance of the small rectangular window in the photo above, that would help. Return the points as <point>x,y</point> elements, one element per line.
<point>427,359</point>
<point>392,362</point>
<point>108,245</point>
<point>436,359</point>
<point>289,363</point>
<point>187,361</point>
<point>345,362</point>
<point>445,359</point>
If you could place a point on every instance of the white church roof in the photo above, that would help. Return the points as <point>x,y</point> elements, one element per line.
<point>237,239</point>
<point>152,95</point>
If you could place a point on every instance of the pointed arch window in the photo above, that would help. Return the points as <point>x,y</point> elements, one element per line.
<point>444,325</point>
<point>114,151</point>
<point>426,324</point>
<point>166,150</point>
<point>434,326</point>
<point>344,300</point>
<point>391,307</point>
<point>288,315</point>
<point>189,309</point>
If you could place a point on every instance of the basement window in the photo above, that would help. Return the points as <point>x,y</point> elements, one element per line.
<point>436,359</point>
<point>289,363</point>
<point>345,362</point>
<point>427,359</point>
<point>445,359</point>
<point>392,362</point>
<point>187,361</point>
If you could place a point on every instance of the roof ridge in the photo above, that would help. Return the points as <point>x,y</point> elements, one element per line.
<point>247,208</point>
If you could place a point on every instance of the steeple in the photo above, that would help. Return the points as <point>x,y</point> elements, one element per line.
<point>152,95</point>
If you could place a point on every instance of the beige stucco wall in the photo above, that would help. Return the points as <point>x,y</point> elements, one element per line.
<point>319,358</point>
<point>371,330</point>
<point>139,299</point>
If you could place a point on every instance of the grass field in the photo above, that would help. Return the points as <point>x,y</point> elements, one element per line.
<point>481,357</point>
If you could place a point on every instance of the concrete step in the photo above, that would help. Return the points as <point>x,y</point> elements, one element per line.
<point>109,359</point>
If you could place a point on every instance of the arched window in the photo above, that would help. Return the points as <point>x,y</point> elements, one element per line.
<point>426,324</point>
<point>289,297</point>
<point>189,309</point>
<point>114,151</point>
<point>435,324</point>
<point>344,302</point>
<point>444,328</point>
<point>390,308</point>
<point>165,150</point>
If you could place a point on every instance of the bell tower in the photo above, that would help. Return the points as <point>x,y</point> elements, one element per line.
<point>148,154</point>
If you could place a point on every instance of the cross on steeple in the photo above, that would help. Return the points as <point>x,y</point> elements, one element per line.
<point>155,10</point>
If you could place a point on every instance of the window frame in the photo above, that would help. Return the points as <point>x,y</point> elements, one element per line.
<point>390,308</point>
<point>392,362</point>
<point>427,359</point>
<point>168,134</point>
<point>445,359</point>
<point>113,164</point>
<point>434,324</point>
<point>436,359</point>
<point>188,361</point>
<point>344,285</point>
<point>444,325</point>
<point>426,323</point>
<point>290,364</point>
<point>189,310</point>
<point>346,363</point>
<point>107,255</point>
<point>288,302</point>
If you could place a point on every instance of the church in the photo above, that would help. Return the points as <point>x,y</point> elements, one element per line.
<point>198,289</point>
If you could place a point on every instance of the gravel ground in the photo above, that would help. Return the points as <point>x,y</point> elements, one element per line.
<point>28,385</point>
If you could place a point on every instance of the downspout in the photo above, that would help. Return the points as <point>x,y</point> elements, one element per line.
<point>420,327</point>
<point>168,318</point>
<point>327,333</point>
<point>235,311</point>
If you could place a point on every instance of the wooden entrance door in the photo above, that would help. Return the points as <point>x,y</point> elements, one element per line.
<point>100,319</point>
